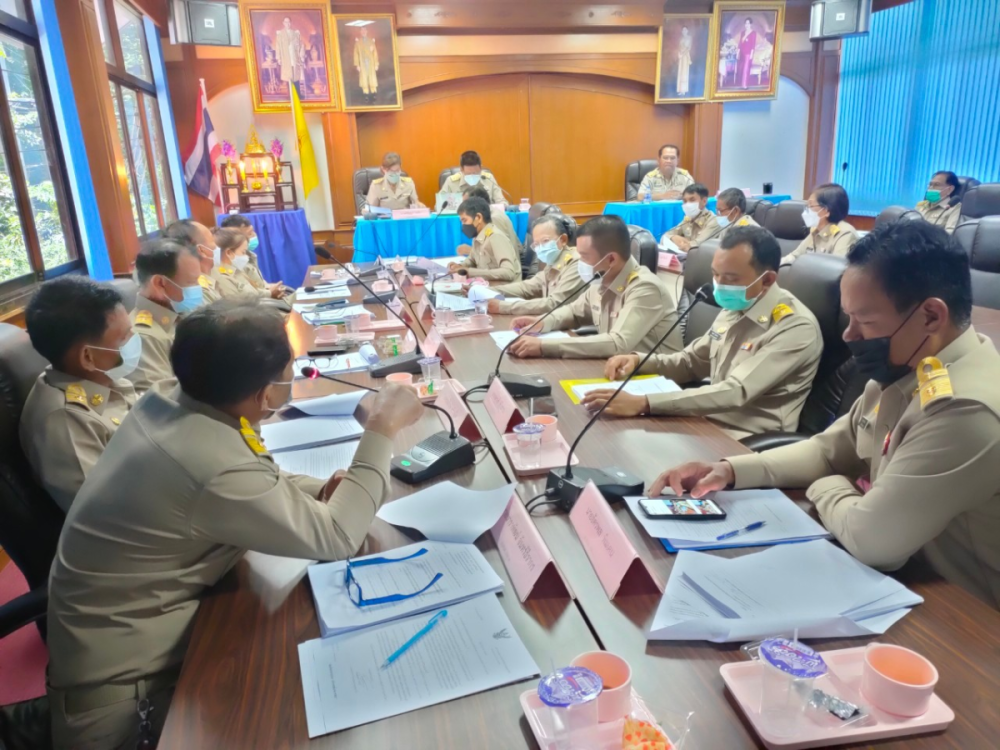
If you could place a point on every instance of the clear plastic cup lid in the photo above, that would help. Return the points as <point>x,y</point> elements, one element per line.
<point>529,428</point>
<point>569,686</point>
<point>792,658</point>
<point>428,361</point>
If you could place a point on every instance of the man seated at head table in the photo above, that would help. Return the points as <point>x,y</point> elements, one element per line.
<point>631,306</point>
<point>471,173</point>
<point>941,205</point>
<point>699,223</point>
<point>167,272</point>
<point>553,239</point>
<point>492,257</point>
<point>184,488</point>
<point>499,218</point>
<point>668,180</point>
<point>393,189</point>
<point>78,402</point>
<point>761,353</point>
<point>915,465</point>
<point>731,211</point>
<point>827,208</point>
<point>199,237</point>
<point>252,269</point>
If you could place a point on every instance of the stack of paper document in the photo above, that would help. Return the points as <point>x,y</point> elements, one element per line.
<point>443,301</point>
<point>309,432</point>
<point>449,513</point>
<point>319,462</point>
<point>636,386</point>
<point>466,574</point>
<point>814,588</point>
<point>502,338</point>
<point>784,522</point>
<point>334,405</point>
<point>333,316</point>
<point>338,289</point>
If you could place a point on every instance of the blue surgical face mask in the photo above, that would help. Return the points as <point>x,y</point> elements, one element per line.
<point>548,252</point>
<point>252,244</point>
<point>724,221</point>
<point>731,297</point>
<point>130,353</point>
<point>473,179</point>
<point>393,177</point>
<point>194,297</point>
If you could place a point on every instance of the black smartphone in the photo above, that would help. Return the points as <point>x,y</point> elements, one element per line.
<point>682,508</point>
<point>328,351</point>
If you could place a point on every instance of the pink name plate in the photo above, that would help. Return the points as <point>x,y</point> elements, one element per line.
<point>529,562</point>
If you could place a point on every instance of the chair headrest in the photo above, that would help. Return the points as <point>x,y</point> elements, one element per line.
<point>982,200</point>
<point>896,213</point>
<point>785,220</point>
<point>698,267</point>
<point>644,247</point>
<point>981,240</point>
<point>814,279</point>
<point>964,183</point>
<point>128,289</point>
<point>537,210</point>
<point>635,171</point>
<point>20,366</point>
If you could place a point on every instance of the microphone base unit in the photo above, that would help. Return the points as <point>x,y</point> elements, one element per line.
<point>433,456</point>
<point>415,270</point>
<point>524,386</point>
<point>377,299</point>
<point>409,362</point>
<point>613,482</point>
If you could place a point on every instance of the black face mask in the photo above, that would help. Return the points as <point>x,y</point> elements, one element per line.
<point>872,357</point>
<point>470,231</point>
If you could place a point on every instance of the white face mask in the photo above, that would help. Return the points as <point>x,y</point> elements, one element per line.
<point>217,256</point>
<point>588,272</point>
<point>130,353</point>
<point>240,262</point>
<point>723,221</point>
<point>548,252</point>
<point>691,209</point>
<point>271,410</point>
<point>473,179</point>
<point>811,218</point>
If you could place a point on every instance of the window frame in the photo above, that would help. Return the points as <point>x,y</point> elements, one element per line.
<point>26,33</point>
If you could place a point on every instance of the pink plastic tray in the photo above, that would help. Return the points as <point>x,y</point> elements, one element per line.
<point>608,736</point>
<point>389,324</point>
<point>462,329</point>
<point>553,455</point>
<point>743,681</point>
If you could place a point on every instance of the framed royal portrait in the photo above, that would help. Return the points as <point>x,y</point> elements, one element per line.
<point>286,42</point>
<point>368,62</point>
<point>682,58</point>
<point>746,50</point>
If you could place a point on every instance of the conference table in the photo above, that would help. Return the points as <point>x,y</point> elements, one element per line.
<point>240,686</point>
<point>659,216</point>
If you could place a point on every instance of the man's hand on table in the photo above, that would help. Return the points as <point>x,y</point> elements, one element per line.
<point>696,477</point>
<point>624,405</point>
<point>529,346</point>
<point>620,366</point>
<point>396,406</point>
<point>493,306</point>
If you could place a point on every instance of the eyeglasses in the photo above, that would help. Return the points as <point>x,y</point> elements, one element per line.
<point>354,588</point>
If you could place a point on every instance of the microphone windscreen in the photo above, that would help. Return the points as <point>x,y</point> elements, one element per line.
<point>310,372</point>
<point>323,252</point>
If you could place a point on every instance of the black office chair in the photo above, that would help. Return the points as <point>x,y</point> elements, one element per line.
<point>363,180</point>
<point>892,214</point>
<point>981,240</point>
<point>30,521</point>
<point>128,289</point>
<point>964,183</point>
<point>784,220</point>
<point>634,173</point>
<point>760,209</point>
<point>981,200</point>
<point>697,273</point>
<point>644,247</point>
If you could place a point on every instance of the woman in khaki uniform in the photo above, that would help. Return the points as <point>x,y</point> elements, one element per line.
<point>828,232</point>
<point>230,274</point>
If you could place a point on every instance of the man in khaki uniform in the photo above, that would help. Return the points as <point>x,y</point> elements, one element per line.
<point>827,208</point>
<point>498,217</point>
<point>699,223</point>
<point>492,257</point>
<point>546,289</point>
<point>731,211</point>
<point>915,466</point>
<point>366,64</point>
<point>939,206</point>
<point>666,182</point>
<point>393,189</point>
<point>471,173</point>
<point>199,237</point>
<point>631,307</point>
<point>761,353</point>
<point>166,270</point>
<point>76,405</point>
<point>184,488</point>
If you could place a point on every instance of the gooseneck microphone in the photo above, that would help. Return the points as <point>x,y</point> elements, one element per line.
<point>435,455</point>
<point>614,483</point>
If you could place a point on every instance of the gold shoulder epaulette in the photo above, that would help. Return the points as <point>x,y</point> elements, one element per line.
<point>407,179</point>
<point>935,382</point>
<point>781,311</point>
<point>203,282</point>
<point>487,174</point>
<point>456,177</point>
<point>567,257</point>
<point>378,181</point>
<point>250,437</point>
<point>834,229</point>
<point>683,171</point>
<point>743,222</point>
<point>226,271</point>
<point>632,277</point>
<point>144,318</point>
<point>923,203</point>
<point>489,231</point>
<point>75,394</point>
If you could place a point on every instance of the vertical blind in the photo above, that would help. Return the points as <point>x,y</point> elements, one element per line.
<point>919,94</point>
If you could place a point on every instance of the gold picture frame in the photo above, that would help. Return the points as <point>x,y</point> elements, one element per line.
<point>289,40</point>
<point>736,72</point>
<point>367,90</point>
<point>680,32</point>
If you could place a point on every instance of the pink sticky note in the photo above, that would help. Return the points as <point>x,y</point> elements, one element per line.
<point>527,558</point>
<point>452,403</point>
<point>501,407</point>
<point>617,564</point>
<point>433,345</point>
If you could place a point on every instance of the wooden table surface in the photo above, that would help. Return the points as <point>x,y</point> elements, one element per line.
<point>241,686</point>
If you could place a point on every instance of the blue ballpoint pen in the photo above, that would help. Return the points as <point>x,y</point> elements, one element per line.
<point>744,530</point>
<point>417,636</point>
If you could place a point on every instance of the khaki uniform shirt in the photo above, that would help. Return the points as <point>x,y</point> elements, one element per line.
<point>941,214</point>
<point>655,182</point>
<point>233,284</point>
<point>761,363</point>
<point>543,291</point>
<point>210,290</point>
<point>702,227</point>
<point>252,272</point>
<point>382,194</point>
<point>65,426</point>
<point>631,311</point>
<point>932,454</point>
<point>493,257</point>
<point>488,182</point>
<point>181,492</point>
<point>833,239</point>
<point>155,324</point>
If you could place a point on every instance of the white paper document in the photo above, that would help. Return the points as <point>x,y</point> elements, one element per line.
<point>814,587</point>
<point>502,338</point>
<point>440,285</point>
<point>784,522</point>
<point>474,648</point>
<point>465,573</point>
<point>309,432</point>
<point>449,513</point>
<point>479,292</point>
<point>335,292</point>
<point>443,262</point>
<point>333,316</point>
<point>640,387</point>
<point>319,462</point>
<point>334,405</point>
<point>444,301</point>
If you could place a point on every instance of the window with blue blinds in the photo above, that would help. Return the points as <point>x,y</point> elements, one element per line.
<point>919,94</point>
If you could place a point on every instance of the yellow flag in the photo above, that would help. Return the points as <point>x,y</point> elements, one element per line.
<point>307,159</point>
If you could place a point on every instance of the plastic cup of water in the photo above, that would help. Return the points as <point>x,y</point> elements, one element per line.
<point>529,443</point>
<point>788,670</point>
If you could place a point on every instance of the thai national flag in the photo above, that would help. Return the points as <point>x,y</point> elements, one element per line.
<point>201,155</point>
